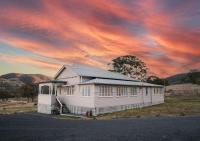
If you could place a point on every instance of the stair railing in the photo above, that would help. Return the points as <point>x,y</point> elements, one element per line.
<point>61,106</point>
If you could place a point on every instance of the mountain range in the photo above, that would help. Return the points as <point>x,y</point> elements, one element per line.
<point>21,79</point>
<point>189,77</point>
<point>175,79</point>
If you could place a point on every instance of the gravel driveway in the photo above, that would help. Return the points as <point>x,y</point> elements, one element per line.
<point>36,127</point>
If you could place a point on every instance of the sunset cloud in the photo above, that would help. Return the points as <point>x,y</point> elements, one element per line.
<point>26,60</point>
<point>163,33</point>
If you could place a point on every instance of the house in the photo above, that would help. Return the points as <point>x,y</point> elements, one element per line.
<point>79,89</point>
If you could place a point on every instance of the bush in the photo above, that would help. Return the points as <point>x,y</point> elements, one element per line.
<point>158,115</point>
<point>182,114</point>
<point>138,116</point>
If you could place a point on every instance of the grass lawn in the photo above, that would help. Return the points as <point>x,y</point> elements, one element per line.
<point>11,107</point>
<point>173,106</point>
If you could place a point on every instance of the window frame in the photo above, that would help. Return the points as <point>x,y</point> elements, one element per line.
<point>146,91</point>
<point>69,90</point>
<point>105,91</point>
<point>43,88</point>
<point>133,91</point>
<point>85,91</point>
<point>123,91</point>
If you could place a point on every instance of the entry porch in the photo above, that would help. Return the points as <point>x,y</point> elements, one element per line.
<point>48,101</point>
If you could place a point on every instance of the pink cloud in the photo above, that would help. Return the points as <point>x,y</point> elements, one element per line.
<point>95,32</point>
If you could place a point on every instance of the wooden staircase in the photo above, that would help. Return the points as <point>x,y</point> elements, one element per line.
<point>62,107</point>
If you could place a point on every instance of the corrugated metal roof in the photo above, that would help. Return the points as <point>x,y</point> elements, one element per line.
<point>52,81</point>
<point>83,70</point>
<point>119,82</point>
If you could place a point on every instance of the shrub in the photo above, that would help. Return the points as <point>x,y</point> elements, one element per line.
<point>158,115</point>
<point>182,114</point>
<point>138,116</point>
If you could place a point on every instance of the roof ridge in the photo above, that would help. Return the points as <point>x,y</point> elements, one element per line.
<point>93,71</point>
<point>120,82</point>
<point>89,67</point>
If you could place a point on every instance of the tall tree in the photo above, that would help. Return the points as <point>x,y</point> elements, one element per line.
<point>4,95</point>
<point>131,66</point>
<point>157,80</point>
<point>29,91</point>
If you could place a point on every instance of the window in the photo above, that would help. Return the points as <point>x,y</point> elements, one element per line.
<point>122,91</point>
<point>158,90</point>
<point>45,89</point>
<point>146,91</point>
<point>133,91</point>
<point>85,90</point>
<point>105,91</point>
<point>53,91</point>
<point>118,91</point>
<point>69,90</point>
<point>125,91</point>
<point>161,90</point>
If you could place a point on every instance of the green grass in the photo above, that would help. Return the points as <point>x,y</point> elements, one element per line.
<point>173,106</point>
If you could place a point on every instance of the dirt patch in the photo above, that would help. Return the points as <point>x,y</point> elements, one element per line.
<point>11,107</point>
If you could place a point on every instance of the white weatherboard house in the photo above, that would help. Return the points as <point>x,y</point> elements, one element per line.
<point>78,89</point>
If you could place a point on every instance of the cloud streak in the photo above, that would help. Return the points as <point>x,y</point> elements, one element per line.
<point>165,34</point>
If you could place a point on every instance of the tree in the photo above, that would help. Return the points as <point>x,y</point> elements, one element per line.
<point>131,66</point>
<point>29,91</point>
<point>4,95</point>
<point>192,77</point>
<point>156,80</point>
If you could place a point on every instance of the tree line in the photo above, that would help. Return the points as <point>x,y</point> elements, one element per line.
<point>192,77</point>
<point>28,91</point>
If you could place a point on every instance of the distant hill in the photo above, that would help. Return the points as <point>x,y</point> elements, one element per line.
<point>176,79</point>
<point>25,78</point>
<point>190,77</point>
<point>12,83</point>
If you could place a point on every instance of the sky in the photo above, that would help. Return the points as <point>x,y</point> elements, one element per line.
<point>39,36</point>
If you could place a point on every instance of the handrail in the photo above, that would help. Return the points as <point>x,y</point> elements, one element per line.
<point>60,104</point>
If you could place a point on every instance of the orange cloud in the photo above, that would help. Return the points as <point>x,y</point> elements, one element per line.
<point>28,60</point>
<point>94,32</point>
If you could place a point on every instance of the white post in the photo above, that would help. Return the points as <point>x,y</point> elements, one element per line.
<point>56,89</point>
<point>142,95</point>
<point>39,91</point>
<point>50,89</point>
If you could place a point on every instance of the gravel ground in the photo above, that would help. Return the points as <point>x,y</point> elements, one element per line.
<point>36,127</point>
